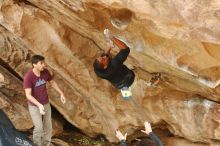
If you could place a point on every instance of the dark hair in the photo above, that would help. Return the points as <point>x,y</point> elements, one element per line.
<point>36,58</point>
<point>146,142</point>
<point>142,143</point>
<point>97,65</point>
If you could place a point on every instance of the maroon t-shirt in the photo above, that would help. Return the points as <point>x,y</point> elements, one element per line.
<point>37,85</point>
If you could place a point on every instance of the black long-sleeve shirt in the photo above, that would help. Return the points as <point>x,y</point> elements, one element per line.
<point>152,137</point>
<point>116,72</point>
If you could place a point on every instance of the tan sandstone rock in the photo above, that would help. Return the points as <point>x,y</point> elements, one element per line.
<point>178,38</point>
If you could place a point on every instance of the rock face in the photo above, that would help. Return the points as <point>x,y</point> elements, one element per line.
<point>12,100</point>
<point>180,39</point>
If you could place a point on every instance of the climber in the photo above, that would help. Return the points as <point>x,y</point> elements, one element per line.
<point>113,69</point>
<point>148,131</point>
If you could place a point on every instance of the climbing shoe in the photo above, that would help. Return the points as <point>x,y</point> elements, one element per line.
<point>126,93</point>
